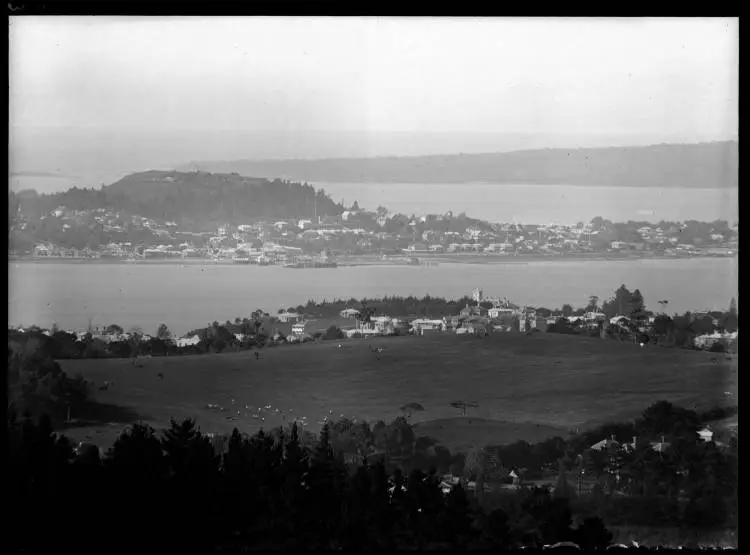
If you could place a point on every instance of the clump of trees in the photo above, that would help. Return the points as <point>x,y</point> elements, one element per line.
<point>426,306</point>
<point>37,383</point>
<point>302,496</point>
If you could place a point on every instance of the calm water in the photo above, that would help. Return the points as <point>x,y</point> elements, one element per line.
<point>542,203</point>
<point>146,295</point>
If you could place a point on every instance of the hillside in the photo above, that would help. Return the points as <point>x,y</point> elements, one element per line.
<point>703,165</point>
<point>575,379</point>
<point>192,199</point>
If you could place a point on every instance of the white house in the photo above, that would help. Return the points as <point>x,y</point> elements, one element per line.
<point>497,312</point>
<point>421,324</point>
<point>349,313</point>
<point>498,247</point>
<point>188,341</point>
<point>287,316</point>
<point>706,434</point>
<point>595,316</point>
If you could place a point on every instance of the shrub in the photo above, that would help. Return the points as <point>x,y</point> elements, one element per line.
<point>333,333</point>
<point>717,347</point>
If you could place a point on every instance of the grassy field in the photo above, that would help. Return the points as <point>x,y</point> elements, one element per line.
<point>527,387</point>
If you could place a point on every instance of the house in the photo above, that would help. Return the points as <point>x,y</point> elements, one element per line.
<point>706,434</point>
<point>498,247</point>
<point>188,341</point>
<point>298,329</point>
<point>594,317</point>
<point>416,247</point>
<point>498,312</point>
<point>619,321</point>
<point>42,250</point>
<point>421,325</point>
<point>349,313</point>
<point>436,248</point>
<point>618,245</point>
<point>287,316</point>
<point>606,444</point>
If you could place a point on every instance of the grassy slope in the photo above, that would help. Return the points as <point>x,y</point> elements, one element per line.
<point>527,387</point>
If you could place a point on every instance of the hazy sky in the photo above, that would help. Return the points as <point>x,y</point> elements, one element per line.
<point>677,76</point>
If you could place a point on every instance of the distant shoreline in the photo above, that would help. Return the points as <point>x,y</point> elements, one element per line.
<point>372,260</point>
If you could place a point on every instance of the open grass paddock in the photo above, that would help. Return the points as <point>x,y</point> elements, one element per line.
<point>527,387</point>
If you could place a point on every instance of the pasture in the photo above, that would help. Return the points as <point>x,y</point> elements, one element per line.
<point>526,387</point>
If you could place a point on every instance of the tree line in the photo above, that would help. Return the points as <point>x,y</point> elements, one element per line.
<point>271,491</point>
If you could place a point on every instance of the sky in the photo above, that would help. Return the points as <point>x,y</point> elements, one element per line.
<point>105,78</point>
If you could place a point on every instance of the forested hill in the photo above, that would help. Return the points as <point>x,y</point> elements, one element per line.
<point>709,165</point>
<point>192,198</point>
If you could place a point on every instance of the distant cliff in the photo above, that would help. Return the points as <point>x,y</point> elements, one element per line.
<point>704,165</point>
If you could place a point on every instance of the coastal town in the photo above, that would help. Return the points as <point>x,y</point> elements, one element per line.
<point>107,234</point>
<point>482,316</point>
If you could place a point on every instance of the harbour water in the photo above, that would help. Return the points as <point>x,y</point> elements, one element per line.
<point>188,296</point>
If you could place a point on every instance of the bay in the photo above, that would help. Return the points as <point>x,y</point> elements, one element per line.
<point>538,204</point>
<point>188,296</point>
